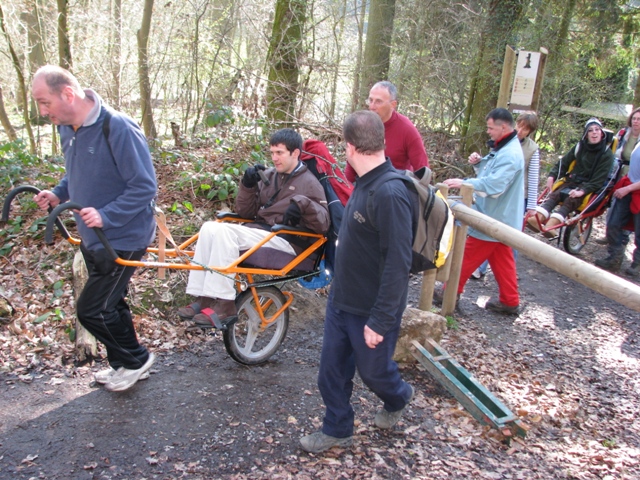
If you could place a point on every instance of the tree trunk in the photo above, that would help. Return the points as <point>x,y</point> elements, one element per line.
<point>36,56</point>
<point>557,50</point>
<point>116,54</point>
<point>6,123</point>
<point>143,71</point>
<point>21,84</point>
<point>357,73</point>
<point>636,92</point>
<point>501,20</point>
<point>377,49</point>
<point>338,30</point>
<point>285,52</point>
<point>64,46</point>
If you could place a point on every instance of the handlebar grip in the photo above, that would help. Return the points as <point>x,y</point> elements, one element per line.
<point>28,188</point>
<point>11,195</point>
<point>53,219</point>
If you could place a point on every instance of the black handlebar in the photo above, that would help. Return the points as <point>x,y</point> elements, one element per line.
<point>53,219</point>
<point>27,188</point>
<point>11,195</point>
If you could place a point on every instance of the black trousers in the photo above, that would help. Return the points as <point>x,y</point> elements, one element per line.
<point>103,311</point>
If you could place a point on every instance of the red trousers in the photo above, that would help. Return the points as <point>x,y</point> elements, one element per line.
<point>502,264</point>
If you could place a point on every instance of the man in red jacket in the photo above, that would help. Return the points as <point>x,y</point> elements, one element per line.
<point>403,143</point>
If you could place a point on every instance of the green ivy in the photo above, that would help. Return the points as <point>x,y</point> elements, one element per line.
<point>17,166</point>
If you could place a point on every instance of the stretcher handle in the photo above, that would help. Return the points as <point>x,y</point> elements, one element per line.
<point>28,188</point>
<point>53,218</point>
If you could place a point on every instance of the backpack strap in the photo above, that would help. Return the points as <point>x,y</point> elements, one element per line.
<point>385,177</point>
<point>106,129</point>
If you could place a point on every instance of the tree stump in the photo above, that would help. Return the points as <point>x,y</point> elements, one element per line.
<point>6,310</point>
<point>417,325</point>
<point>86,346</point>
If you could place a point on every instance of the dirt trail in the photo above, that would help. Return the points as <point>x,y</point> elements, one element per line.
<point>568,365</point>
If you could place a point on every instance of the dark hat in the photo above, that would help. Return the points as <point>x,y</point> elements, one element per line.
<point>591,121</point>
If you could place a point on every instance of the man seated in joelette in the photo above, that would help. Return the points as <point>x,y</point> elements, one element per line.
<point>291,195</point>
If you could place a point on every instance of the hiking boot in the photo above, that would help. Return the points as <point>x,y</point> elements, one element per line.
<point>499,307</point>
<point>125,378</point>
<point>633,270</point>
<point>193,309</point>
<point>610,263</point>
<point>602,241</point>
<point>319,442</point>
<point>438,296</point>
<point>219,315</point>
<point>387,420</point>
<point>103,376</point>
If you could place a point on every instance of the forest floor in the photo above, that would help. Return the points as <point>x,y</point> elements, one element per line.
<point>567,366</point>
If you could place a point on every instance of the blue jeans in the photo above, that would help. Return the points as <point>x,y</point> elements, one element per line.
<point>344,350</point>
<point>618,217</point>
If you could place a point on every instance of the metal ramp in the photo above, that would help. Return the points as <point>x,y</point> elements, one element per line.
<point>474,397</point>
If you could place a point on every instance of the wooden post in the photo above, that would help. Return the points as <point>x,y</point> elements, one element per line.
<point>426,292</point>
<point>537,88</point>
<point>450,292</point>
<point>86,346</point>
<point>510,56</point>
<point>429,276</point>
<point>608,284</point>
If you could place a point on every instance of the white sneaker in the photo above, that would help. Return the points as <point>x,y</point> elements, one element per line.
<point>124,378</point>
<point>103,376</point>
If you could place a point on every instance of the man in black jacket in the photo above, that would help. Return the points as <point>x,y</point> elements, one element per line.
<point>369,292</point>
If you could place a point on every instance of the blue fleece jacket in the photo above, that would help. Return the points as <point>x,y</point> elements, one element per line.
<point>499,185</point>
<point>116,178</point>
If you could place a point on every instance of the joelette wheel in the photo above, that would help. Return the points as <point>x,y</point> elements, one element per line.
<point>577,235</point>
<point>250,342</point>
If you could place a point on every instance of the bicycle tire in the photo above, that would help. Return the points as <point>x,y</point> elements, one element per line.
<point>244,341</point>
<point>576,235</point>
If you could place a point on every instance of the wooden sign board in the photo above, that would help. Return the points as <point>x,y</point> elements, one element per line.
<point>524,81</point>
<point>521,82</point>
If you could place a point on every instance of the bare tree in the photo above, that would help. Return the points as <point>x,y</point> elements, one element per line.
<point>338,35</point>
<point>21,84</point>
<point>4,119</point>
<point>357,71</point>
<point>115,54</point>
<point>36,53</point>
<point>64,45</point>
<point>143,71</point>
